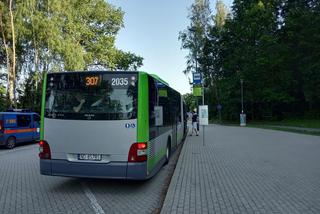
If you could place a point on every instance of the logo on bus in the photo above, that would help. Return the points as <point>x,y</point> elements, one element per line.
<point>130,125</point>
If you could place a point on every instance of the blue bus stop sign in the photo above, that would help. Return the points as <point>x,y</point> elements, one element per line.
<point>196,78</point>
<point>219,107</point>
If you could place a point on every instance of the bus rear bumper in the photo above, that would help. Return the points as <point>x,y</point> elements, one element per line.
<point>113,170</point>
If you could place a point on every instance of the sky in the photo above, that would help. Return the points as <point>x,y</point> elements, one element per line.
<point>151,30</point>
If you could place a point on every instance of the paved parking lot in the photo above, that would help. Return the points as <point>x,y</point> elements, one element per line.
<point>24,190</point>
<point>246,170</point>
<point>237,170</point>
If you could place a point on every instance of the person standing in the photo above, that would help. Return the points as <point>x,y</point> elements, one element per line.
<point>195,123</point>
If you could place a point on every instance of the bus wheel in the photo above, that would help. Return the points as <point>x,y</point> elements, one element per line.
<point>11,143</point>
<point>168,153</point>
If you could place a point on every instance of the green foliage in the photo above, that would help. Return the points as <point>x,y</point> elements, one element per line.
<point>2,98</point>
<point>274,46</point>
<point>193,38</point>
<point>191,101</point>
<point>60,35</point>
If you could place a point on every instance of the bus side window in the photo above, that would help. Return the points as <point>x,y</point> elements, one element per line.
<point>23,120</point>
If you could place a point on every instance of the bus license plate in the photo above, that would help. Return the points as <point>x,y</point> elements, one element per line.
<point>89,157</point>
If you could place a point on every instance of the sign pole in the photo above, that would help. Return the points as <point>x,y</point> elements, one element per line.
<point>203,136</point>
<point>203,105</point>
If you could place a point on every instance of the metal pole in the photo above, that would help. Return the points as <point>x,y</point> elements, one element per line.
<point>203,136</point>
<point>203,104</point>
<point>202,93</point>
<point>241,80</point>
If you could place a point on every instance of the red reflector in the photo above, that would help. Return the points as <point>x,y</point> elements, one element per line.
<point>141,145</point>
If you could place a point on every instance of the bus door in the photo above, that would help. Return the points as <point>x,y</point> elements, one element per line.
<point>180,129</point>
<point>174,132</point>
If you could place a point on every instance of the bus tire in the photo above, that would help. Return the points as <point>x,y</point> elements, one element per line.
<point>11,142</point>
<point>168,152</point>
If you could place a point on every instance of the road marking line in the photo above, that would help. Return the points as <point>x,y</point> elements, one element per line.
<point>94,203</point>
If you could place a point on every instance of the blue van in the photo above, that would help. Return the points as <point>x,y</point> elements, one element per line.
<point>18,127</point>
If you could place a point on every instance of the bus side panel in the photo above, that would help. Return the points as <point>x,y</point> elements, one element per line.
<point>157,150</point>
<point>161,133</point>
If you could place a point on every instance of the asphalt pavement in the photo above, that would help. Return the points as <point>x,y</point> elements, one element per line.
<point>246,170</point>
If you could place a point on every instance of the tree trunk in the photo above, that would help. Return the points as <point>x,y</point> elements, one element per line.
<point>7,49</point>
<point>12,70</point>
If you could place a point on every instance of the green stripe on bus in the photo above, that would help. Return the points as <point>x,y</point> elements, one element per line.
<point>143,105</point>
<point>43,103</point>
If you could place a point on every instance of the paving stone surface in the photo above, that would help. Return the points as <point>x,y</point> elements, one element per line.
<point>23,190</point>
<point>246,170</point>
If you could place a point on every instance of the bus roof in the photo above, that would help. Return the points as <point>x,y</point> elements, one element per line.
<point>98,71</point>
<point>159,79</point>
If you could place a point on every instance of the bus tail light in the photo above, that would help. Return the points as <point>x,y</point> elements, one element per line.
<point>44,150</point>
<point>138,152</point>
<point>1,125</point>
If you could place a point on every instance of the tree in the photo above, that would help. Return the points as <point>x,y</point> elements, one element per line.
<point>191,101</point>
<point>300,39</point>
<point>221,15</point>
<point>9,40</point>
<point>194,36</point>
<point>273,46</point>
<point>59,35</point>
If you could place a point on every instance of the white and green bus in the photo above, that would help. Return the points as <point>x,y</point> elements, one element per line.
<point>106,124</point>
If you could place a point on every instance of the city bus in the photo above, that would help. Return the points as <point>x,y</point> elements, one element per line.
<point>108,124</point>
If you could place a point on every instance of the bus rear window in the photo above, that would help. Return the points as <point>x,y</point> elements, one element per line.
<point>91,96</point>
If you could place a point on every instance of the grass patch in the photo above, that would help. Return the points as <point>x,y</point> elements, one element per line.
<point>289,125</point>
<point>303,123</point>
<point>317,133</point>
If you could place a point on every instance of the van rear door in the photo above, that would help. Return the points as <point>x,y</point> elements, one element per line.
<point>36,127</point>
<point>1,130</point>
<point>1,124</point>
<point>24,131</point>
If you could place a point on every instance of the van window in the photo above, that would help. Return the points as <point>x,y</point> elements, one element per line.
<point>24,120</point>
